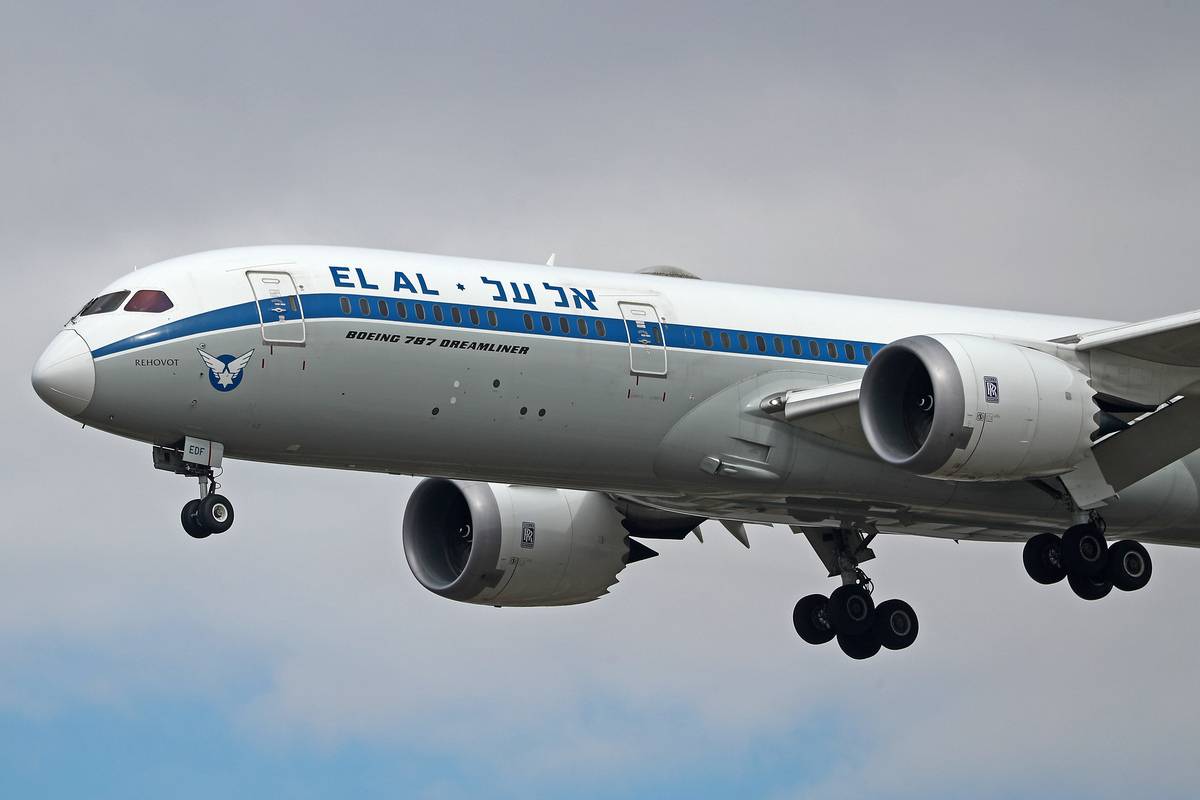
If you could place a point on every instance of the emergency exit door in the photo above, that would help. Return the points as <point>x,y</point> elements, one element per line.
<point>647,348</point>
<point>279,309</point>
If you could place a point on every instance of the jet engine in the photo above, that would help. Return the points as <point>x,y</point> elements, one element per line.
<point>972,408</point>
<point>502,545</point>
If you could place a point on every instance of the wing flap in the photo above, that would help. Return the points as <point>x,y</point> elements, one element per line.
<point>1150,444</point>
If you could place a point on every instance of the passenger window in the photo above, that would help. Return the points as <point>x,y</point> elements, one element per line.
<point>600,328</point>
<point>437,314</point>
<point>456,315</point>
<point>545,323</point>
<point>867,352</point>
<point>581,323</point>
<point>345,305</point>
<point>707,335</point>
<point>474,316</point>
<point>813,349</point>
<point>796,347</point>
<point>419,310</point>
<point>149,301</point>
<point>743,342</point>
<point>364,305</point>
<point>528,322</point>
<point>564,324</point>
<point>383,308</point>
<point>724,340</point>
<point>831,349</point>
<point>849,350</point>
<point>762,344</point>
<point>401,310</point>
<point>104,304</point>
<point>778,345</point>
<point>492,318</point>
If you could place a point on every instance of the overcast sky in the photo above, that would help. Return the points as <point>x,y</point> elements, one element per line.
<point>1004,155</point>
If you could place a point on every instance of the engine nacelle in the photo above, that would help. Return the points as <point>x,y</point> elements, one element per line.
<point>972,408</point>
<point>501,545</point>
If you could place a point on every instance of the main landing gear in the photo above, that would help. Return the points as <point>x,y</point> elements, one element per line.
<point>1082,556</point>
<point>209,513</point>
<point>849,613</point>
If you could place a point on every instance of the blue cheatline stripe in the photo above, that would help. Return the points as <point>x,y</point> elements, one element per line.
<point>209,322</point>
<point>512,321</point>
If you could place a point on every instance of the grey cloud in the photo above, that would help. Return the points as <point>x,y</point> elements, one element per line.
<point>1011,156</point>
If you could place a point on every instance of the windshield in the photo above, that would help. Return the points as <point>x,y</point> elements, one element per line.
<point>150,301</point>
<point>104,304</point>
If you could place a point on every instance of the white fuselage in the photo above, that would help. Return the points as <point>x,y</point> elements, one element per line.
<point>630,384</point>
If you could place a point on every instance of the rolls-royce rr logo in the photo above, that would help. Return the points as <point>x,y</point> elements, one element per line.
<point>991,389</point>
<point>527,535</point>
<point>225,372</point>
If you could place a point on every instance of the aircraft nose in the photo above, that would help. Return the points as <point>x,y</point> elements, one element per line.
<point>65,375</point>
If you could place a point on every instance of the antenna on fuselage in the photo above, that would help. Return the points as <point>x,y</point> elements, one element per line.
<point>550,260</point>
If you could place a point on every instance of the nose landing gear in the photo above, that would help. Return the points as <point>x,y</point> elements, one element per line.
<point>212,513</point>
<point>1084,558</point>
<point>849,613</point>
<point>209,513</point>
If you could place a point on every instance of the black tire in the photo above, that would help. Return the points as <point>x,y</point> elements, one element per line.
<point>895,624</point>
<point>1089,588</point>
<point>859,645</point>
<point>1084,551</point>
<point>190,523</point>
<point>1129,566</point>
<point>1043,558</point>
<point>851,610</point>
<point>215,513</point>
<point>811,619</point>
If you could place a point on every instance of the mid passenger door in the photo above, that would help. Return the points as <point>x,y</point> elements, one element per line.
<point>280,311</point>
<point>647,347</point>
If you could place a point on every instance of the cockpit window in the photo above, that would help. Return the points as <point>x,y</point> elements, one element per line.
<point>104,303</point>
<point>151,301</point>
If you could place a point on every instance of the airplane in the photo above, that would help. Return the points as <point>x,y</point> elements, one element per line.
<point>565,417</point>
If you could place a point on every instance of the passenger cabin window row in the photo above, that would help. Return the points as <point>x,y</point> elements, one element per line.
<point>547,323</point>
<point>404,310</point>
<point>777,345</point>
<point>589,327</point>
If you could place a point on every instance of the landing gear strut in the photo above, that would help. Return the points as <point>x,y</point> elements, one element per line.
<point>849,613</point>
<point>1084,558</point>
<point>209,513</point>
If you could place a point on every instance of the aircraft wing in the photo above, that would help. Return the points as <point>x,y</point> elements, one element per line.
<point>1154,364</point>
<point>1173,340</point>
<point>1147,373</point>
<point>830,411</point>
